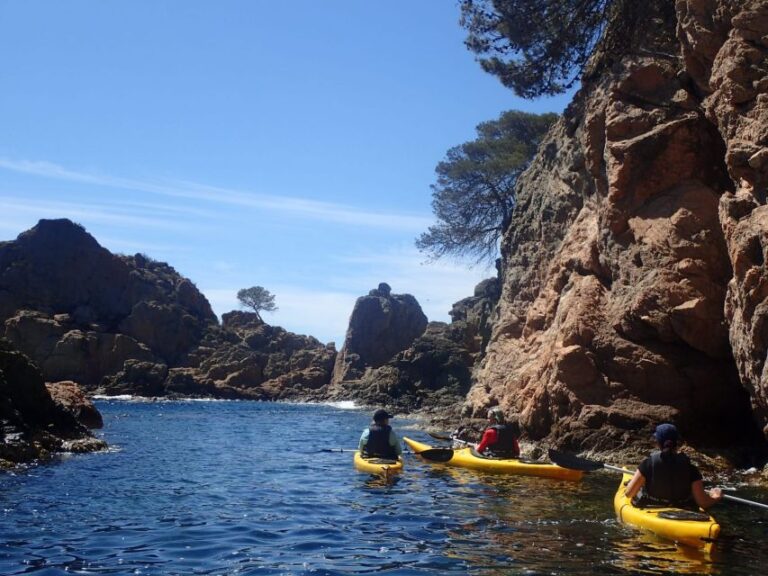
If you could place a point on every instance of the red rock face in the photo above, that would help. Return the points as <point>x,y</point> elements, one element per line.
<point>634,284</point>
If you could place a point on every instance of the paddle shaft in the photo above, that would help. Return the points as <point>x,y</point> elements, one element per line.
<point>578,463</point>
<point>724,495</point>
<point>744,501</point>
<point>617,469</point>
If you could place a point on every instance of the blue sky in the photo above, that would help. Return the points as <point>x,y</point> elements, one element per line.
<point>289,145</point>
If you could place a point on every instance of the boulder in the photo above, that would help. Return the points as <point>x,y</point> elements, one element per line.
<point>381,325</point>
<point>32,425</point>
<point>70,396</point>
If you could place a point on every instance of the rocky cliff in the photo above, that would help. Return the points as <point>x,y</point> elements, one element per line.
<point>633,272</point>
<point>131,325</point>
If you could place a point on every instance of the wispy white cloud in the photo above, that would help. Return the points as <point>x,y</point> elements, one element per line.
<point>298,207</point>
<point>14,207</point>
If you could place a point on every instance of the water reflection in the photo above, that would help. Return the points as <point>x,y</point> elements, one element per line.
<point>644,553</point>
<point>522,525</point>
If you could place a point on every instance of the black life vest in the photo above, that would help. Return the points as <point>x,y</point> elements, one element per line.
<point>670,479</point>
<point>378,442</point>
<point>506,445</point>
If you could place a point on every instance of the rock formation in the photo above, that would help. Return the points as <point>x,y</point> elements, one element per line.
<point>381,325</point>
<point>431,373</point>
<point>132,325</point>
<point>32,424</point>
<point>633,277</point>
<point>69,396</point>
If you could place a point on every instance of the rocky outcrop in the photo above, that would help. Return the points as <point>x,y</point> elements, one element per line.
<point>131,325</point>
<point>33,425</point>
<point>80,312</point>
<point>381,325</point>
<point>70,397</point>
<point>433,373</point>
<point>633,276</point>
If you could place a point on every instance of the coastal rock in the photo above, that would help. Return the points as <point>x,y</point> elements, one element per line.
<point>381,325</point>
<point>132,325</point>
<point>633,277</point>
<point>69,396</point>
<point>433,374</point>
<point>32,425</point>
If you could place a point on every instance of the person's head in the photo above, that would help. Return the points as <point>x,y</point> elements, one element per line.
<point>496,415</point>
<point>666,436</point>
<point>381,416</point>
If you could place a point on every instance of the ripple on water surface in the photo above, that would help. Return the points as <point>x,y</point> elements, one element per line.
<point>232,488</point>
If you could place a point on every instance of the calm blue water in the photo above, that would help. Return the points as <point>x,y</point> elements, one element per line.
<point>240,488</point>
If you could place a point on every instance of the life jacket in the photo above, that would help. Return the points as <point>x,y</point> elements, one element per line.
<point>506,445</point>
<point>670,480</point>
<point>378,442</point>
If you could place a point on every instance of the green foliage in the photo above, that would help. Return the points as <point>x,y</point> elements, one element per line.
<point>257,299</point>
<point>536,47</point>
<point>473,197</point>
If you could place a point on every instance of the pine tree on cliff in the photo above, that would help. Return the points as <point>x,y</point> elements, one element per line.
<point>473,197</point>
<point>257,299</point>
<point>541,47</point>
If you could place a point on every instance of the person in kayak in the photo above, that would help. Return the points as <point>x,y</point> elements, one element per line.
<point>668,478</point>
<point>379,440</point>
<point>499,439</point>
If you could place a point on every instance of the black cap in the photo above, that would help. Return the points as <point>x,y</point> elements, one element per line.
<point>380,415</point>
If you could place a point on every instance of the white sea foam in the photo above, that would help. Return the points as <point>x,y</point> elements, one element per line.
<point>344,405</point>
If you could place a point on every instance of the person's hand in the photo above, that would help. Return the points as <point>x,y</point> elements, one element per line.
<point>715,493</point>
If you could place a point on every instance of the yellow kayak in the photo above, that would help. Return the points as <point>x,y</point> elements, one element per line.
<point>381,466</point>
<point>465,458</point>
<point>697,529</point>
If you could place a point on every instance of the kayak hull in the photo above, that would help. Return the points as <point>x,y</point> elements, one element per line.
<point>380,466</point>
<point>693,533</point>
<point>464,458</point>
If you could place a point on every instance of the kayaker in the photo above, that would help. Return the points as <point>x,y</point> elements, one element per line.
<point>499,439</point>
<point>669,478</point>
<point>379,440</point>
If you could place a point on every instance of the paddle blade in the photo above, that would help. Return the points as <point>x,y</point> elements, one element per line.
<point>437,454</point>
<point>440,436</point>
<point>566,460</point>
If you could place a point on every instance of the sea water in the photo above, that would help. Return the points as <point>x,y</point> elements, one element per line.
<point>241,488</point>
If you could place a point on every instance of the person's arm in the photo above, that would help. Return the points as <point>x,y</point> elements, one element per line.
<point>363,440</point>
<point>394,441</point>
<point>705,498</point>
<point>490,436</point>
<point>634,485</point>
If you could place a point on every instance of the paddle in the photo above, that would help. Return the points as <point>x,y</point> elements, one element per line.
<point>338,450</point>
<point>574,462</point>
<point>440,437</point>
<point>436,454</point>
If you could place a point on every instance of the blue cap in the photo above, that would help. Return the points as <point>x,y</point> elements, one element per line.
<point>666,434</point>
